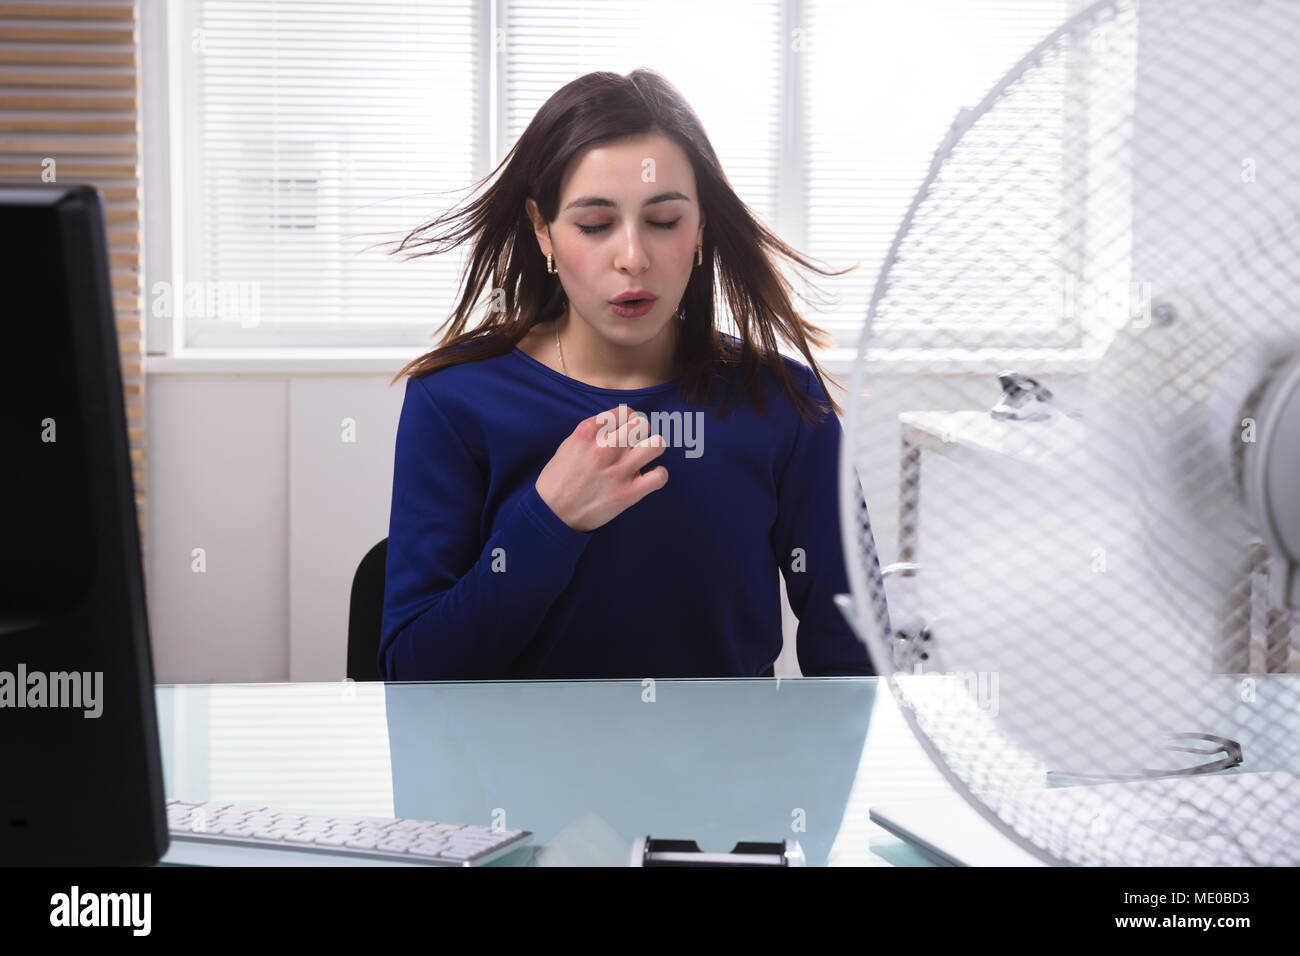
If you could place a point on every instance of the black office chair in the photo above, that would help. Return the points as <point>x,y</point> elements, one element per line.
<point>366,614</point>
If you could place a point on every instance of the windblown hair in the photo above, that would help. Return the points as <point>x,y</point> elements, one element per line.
<point>597,108</point>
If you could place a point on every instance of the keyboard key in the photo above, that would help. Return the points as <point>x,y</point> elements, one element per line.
<point>458,853</point>
<point>427,851</point>
<point>477,839</point>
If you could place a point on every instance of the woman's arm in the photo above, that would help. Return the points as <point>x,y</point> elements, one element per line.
<point>810,550</point>
<point>451,610</point>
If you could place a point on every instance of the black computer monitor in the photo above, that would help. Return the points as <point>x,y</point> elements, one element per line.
<point>80,766</point>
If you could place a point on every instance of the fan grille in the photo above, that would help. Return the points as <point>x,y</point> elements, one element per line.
<point>1086,622</point>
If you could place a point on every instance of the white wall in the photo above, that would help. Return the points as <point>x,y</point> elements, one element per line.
<point>254,470</point>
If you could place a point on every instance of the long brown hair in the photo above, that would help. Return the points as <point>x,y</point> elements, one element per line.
<point>596,108</point>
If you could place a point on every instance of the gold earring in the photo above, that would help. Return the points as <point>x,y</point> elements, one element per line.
<point>699,253</point>
<point>549,270</point>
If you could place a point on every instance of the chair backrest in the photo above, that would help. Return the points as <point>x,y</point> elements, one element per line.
<point>366,614</point>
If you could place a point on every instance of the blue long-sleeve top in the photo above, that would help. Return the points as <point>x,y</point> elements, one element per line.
<point>484,581</point>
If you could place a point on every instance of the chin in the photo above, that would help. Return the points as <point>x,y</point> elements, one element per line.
<point>634,331</point>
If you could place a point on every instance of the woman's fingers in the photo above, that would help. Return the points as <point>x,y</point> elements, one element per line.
<point>637,444</point>
<point>643,452</point>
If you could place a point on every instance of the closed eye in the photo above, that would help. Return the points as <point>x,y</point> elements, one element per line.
<point>594,229</point>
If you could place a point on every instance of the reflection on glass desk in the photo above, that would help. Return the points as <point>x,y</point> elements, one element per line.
<point>587,766</point>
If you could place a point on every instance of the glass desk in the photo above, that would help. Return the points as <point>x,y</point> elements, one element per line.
<point>587,766</point>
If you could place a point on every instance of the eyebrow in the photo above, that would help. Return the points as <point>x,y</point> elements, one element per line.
<point>585,201</point>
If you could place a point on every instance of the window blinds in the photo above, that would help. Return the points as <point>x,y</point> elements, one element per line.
<point>70,113</point>
<point>316,128</point>
<point>316,132</point>
<point>883,82</point>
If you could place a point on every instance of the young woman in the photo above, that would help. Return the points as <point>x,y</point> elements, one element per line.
<point>596,482</point>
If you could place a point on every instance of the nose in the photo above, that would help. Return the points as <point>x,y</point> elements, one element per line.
<point>631,256</point>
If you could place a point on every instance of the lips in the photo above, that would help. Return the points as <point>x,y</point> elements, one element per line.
<point>635,297</point>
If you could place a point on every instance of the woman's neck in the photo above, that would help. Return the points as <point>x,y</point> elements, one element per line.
<point>590,359</point>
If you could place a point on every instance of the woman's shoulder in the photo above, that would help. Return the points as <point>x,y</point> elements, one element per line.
<point>459,379</point>
<point>799,374</point>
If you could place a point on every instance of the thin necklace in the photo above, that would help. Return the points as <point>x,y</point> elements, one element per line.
<point>561,351</point>
<point>558,349</point>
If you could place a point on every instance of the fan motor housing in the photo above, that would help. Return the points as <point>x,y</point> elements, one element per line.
<point>1271,473</point>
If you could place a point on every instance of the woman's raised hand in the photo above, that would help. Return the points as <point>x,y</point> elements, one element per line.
<point>595,474</point>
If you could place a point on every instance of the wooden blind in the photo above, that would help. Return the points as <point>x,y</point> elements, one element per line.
<point>70,113</point>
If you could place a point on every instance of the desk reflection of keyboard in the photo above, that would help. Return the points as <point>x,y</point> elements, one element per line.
<point>347,838</point>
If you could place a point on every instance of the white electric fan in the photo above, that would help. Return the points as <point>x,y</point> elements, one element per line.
<point>1088,508</point>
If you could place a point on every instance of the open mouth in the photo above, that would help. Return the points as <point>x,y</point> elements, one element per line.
<point>632,303</point>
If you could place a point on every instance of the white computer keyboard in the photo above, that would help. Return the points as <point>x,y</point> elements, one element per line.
<point>347,837</point>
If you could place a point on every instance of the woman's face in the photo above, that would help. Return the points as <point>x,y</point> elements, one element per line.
<point>629,220</point>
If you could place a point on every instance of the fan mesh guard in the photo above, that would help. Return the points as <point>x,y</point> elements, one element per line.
<point>1071,611</point>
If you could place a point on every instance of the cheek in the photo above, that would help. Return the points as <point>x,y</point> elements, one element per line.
<point>687,248</point>
<point>580,260</point>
